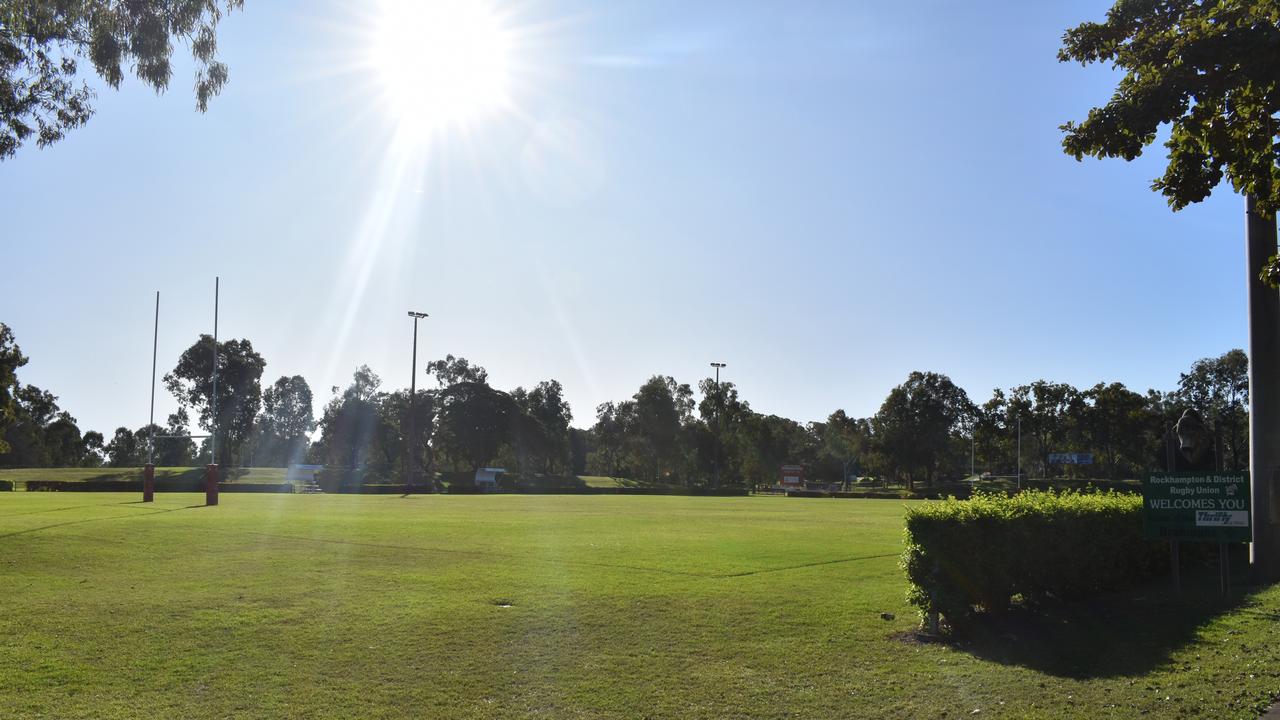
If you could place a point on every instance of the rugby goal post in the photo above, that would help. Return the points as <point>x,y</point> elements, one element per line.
<point>211,470</point>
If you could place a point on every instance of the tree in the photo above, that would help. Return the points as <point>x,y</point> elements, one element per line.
<point>93,446</point>
<point>42,43</point>
<point>1113,424</point>
<point>350,422</point>
<point>177,450</point>
<point>474,422</point>
<point>844,440</point>
<point>1211,71</point>
<point>1047,411</point>
<point>916,426</point>
<point>124,450</point>
<point>722,414</point>
<point>239,393</point>
<point>661,407</point>
<point>451,371</point>
<point>542,424</point>
<point>286,422</point>
<point>64,446</point>
<point>1218,389</point>
<point>394,428</point>
<point>11,358</point>
<point>35,409</point>
<point>764,443</point>
<point>610,433</point>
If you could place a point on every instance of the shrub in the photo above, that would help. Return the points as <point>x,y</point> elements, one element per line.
<point>333,480</point>
<point>255,487</point>
<point>6,485</point>
<point>373,489</point>
<point>968,555</point>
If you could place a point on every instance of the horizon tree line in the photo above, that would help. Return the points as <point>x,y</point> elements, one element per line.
<point>927,430</point>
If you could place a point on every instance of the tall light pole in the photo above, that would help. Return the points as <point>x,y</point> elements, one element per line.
<point>1019,453</point>
<point>715,460</point>
<point>411,462</point>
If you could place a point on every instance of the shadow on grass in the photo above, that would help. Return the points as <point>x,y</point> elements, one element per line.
<point>1125,634</point>
<point>52,526</point>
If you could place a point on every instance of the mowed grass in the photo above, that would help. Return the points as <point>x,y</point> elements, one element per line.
<point>21,476</point>
<point>318,606</point>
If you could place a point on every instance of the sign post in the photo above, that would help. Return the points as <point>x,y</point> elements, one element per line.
<point>1205,506</point>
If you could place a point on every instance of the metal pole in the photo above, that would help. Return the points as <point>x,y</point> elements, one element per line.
<point>151,423</point>
<point>213,430</point>
<point>412,462</point>
<point>973,448</point>
<point>1019,453</point>
<point>715,455</point>
<point>1264,397</point>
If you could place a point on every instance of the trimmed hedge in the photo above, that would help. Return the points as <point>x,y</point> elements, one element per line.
<point>162,485</point>
<point>6,485</point>
<point>255,487</point>
<point>374,489</point>
<point>964,556</point>
<point>883,494</point>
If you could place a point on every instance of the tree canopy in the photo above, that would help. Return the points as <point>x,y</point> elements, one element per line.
<point>42,42</point>
<point>239,393</point>
<point>1209,70</point>
<point>11,358</point>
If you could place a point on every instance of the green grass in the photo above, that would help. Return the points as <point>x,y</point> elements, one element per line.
<point>320,606</point>
<point>600,481</point>
<point>21,475</point>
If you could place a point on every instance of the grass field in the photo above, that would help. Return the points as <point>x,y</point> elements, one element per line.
<point>316,606</point>
<point>20,476</point>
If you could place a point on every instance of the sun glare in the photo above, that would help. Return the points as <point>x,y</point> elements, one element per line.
<point>441,63</point>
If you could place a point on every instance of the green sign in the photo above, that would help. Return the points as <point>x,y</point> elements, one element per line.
<point>1204,506</point>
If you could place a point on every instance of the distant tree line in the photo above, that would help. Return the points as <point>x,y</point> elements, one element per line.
<point>927,430</point>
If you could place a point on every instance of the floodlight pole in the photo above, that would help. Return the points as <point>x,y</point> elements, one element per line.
<point>1019,453</point>
<point>411,463</point>
<point>973,449</point>
<point>715,459</point>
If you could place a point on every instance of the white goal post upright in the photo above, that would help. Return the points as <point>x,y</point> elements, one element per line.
<point>211,470</point>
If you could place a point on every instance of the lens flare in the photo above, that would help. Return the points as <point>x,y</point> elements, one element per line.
<point>441,64</point>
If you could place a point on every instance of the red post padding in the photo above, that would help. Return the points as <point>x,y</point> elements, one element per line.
<point>211,485</point>
<point>148,482</point>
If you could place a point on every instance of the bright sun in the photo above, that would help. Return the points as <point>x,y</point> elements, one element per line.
<point>441,63</point>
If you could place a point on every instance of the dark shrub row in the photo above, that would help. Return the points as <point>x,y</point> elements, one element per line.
<point>889,494</point>
<point>179,484</point>
<point>6,485</point>
<point>255,487</point>
<point>373,489</point>
<point>963,556</point>
<point>162,485</point>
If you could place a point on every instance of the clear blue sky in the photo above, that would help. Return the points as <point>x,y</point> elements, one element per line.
<point>824,195</point>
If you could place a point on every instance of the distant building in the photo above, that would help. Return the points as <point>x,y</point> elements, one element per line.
<point>487,479</point>
<point>792,476</point>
